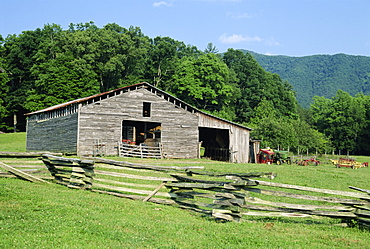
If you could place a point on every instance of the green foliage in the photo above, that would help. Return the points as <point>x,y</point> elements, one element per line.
<point>205,82</point>
<point>295,134</point>
<point>164,56</point>
<point>275,133</point>
<point>341,118</point>
<point>60,80</point>
<point>4,79</point>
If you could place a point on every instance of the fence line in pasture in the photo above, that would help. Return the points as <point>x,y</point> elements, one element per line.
<point>221,195</point>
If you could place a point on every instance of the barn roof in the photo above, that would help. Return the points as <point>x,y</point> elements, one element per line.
<point>127,88</point>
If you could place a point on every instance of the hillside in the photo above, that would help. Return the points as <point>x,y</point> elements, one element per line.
<point>320,75</point>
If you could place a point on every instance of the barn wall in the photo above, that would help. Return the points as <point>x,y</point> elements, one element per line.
<point>239,137</point>
<point>103,120</point>
<point>57,134</point>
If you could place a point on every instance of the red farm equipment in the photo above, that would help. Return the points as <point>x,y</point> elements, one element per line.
<point>265,156</point>
<point>269,156</point>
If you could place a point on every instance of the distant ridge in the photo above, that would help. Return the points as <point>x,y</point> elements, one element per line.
<point>320,75</point>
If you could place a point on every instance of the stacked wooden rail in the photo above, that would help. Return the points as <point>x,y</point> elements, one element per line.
<point>72,172</point>
<point>240,196</point>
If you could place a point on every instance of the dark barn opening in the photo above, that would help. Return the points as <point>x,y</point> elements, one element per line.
<point>136,132</point>
<point>216,143</point>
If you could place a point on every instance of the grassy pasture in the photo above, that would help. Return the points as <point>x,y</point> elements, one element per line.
<point>13,142</point>
<point>53,216</point>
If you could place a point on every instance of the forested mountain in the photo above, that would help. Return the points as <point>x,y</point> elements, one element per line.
<point>321,75</point>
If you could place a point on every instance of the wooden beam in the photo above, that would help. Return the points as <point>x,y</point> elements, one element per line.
<point>326,191</point>
<point>21,174</point>
<point>26,154</point>
<point>154,192</point>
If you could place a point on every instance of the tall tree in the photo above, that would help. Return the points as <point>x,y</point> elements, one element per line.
<point>164,56</point>
<point>341,118</point>
<point>19,53</point>
<point>207,83</point>
<point>3,85</point>
<point>211,49</point>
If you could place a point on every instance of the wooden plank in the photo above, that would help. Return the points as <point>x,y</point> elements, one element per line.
<point>296,206</point>
<point>277,214</point>
<point>360,189</point>
<point>221,215</point>
<point>362,213</point>
<point>137,197</point>
<point>27,154</point>
<point>306,197</point>
<point>129,190</point>
<point>144,166</point>
<point>150,178</point>
<point>68,161</point>
<point>325,191</point>
<point>154,192</point>
<point>126,183</point>
<point>312,212</point>
<point>269,175</point>
<point>21,173</point>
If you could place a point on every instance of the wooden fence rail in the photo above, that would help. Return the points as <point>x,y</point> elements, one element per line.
<point>72,172</point>
<point>232,200</point>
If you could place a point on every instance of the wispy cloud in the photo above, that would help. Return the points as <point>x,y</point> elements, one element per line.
<point>234,38</point>
<point>271,42</point>
<point>162,3</point>
<point>238,15</point>
<point>238,39</point>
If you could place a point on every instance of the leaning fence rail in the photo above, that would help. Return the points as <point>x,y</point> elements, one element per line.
<point>142,151</point>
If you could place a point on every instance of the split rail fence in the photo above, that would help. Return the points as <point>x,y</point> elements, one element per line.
<point>224,196</point>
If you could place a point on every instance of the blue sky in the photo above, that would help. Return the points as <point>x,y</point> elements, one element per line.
<point>277,27</point>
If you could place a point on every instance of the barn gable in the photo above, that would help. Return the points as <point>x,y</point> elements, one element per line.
<point>75,126</point>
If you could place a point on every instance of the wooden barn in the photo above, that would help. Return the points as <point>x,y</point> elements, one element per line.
<point>139,114</point>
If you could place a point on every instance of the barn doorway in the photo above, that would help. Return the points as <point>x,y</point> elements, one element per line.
<point>146,133</point>
<point>215,142</point>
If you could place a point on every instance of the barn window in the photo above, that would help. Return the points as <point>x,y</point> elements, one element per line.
<point>146,109</point>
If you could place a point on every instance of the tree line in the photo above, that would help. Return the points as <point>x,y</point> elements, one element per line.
<point>49,66</point>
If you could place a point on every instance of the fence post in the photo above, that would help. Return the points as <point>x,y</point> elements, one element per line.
<point>141,151</point>
<point>119,149</point>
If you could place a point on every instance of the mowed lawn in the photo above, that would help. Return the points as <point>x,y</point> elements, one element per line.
<point>53,216</point>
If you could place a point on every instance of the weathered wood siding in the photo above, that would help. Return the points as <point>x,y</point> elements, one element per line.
<point>238,137</point>
<point>103,120</point>
<point>56,134</point>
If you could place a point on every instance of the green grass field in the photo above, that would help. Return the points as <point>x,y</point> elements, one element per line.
<point>14,142</point>
<point>53,216</point>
